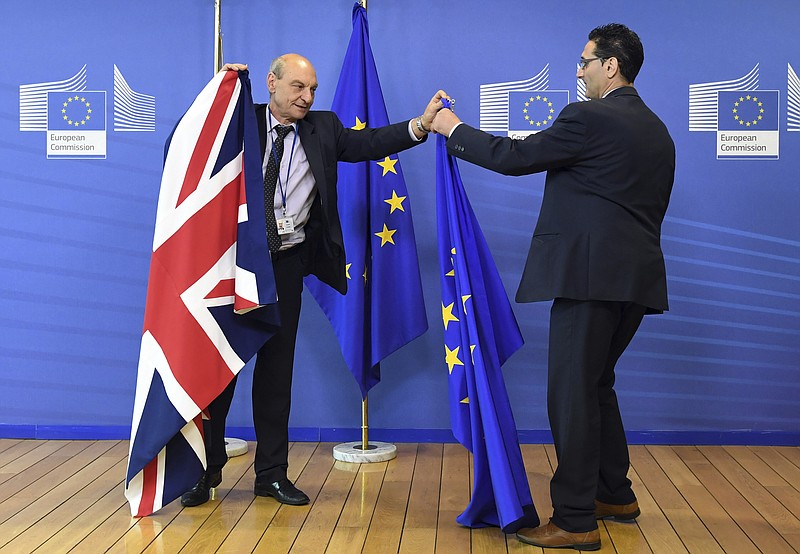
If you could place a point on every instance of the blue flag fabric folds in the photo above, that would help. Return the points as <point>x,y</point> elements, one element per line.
<point>480,334</point>
<point>383,308</point>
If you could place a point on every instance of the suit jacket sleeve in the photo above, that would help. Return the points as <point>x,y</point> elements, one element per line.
<point>558,146</point>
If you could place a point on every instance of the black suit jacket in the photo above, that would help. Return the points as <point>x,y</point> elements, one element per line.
<point>326,142</point>
<point>610,167</point>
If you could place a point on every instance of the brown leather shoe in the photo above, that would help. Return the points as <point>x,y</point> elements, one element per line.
<point>552,536</point>
<point>625,513</point>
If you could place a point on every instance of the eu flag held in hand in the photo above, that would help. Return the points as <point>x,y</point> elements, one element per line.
<point>383,308</point>
<point>480,333</point>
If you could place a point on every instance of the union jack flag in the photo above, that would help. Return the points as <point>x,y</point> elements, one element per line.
<point>211,299</point>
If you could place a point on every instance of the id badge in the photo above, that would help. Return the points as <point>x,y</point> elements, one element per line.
<point>285,226</point>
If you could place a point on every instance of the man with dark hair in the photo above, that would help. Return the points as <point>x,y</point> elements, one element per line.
<point>596,253</point>
<point>617,41</point>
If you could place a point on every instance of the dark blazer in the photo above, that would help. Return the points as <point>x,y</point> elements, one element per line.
<point>326,142</point>
<point>610,167</point>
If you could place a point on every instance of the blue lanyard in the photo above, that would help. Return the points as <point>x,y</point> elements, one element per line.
<point>278,163</point>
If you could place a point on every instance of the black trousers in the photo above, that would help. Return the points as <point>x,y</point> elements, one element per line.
<point>272,379</point>
<point>586,340</point>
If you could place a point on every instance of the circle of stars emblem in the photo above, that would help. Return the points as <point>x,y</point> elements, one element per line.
<point>743,102</point>
<point>546,102</point>
<point>76,101</point>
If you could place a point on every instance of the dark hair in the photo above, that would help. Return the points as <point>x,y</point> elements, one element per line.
<point>618,41</point>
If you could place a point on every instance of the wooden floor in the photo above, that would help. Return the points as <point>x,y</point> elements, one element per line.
<point>66,496</point>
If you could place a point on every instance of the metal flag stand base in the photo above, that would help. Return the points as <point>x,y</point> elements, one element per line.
<point>235,447</point>
<point>363,451</point>
<point>354,452</point>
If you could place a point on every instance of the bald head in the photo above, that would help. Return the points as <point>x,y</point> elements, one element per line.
<point>279,64</point>
<point>292,84</point>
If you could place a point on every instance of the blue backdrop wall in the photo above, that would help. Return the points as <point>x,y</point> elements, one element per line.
<point>722,365</point>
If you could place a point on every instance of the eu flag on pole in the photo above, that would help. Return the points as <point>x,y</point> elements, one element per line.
<point>211,298</point>
<point>383,308</point>
<point>480,333</point>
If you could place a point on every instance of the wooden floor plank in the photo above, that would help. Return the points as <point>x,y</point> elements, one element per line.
<point>318,527</point>
<point>76,531</point>
<point>109,532</point>
<point>539,471</point>
<point>163,532</point>
<point>39,507</point>
<point>724,529</point>
<point>626,538</point>
<point>288,520</point>
<point>16,450</point>
<point>488,540</point>
<point>783,520</point>
<point>417,540</point>
<point>8,443</point>
<point>653,523</point>
<point>786,469</point>
<point>310,481</point>
<point>67,524</point>
<point>453,499</point>
<point>683,519</point>
<point>257,517</point>
<point>32,474</point>
<point>386,528</point>
<point>423,501</point>
<point>30,458</point>
<point>356,517</point>
<point>759,531</point>
<point>67,496</point>
<point>791,453</point>
<point>221,522</point>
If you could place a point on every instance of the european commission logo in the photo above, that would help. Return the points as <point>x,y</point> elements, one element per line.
<point>747,124</point>
<point>521,108</point>
<point>76,124</point>
<point>74,118</point>
<point>745,118</point>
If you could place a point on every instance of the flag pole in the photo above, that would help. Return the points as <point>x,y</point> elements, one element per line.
<point>365,424</point>
<point>233,447</point>
<point>365,452</point>
<point>217,36</point>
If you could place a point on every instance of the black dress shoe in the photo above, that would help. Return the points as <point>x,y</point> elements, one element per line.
<point>199,493</point>
<point>282,490</point>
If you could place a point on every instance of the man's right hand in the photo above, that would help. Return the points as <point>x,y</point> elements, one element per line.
<point>234,67</point>
<point>444,122</point>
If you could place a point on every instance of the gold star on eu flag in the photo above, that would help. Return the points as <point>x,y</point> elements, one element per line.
<point>396,202</point>
<point>359,125</point>
<point>451,358</point>
<point>388,165</point>
<point>447,314</point>
<point>386,235</point>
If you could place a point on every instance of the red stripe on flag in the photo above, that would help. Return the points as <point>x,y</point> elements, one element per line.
<point>177,264</point>
<point>208,135</point>
<point>226,287</point>
<point>149,481</point>
<point>242,303</point>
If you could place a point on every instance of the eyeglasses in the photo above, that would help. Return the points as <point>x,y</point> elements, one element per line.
<point>583,62</point>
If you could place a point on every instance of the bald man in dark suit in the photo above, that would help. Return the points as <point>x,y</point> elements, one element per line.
<point>306,239</point>
<point>596,253</point>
